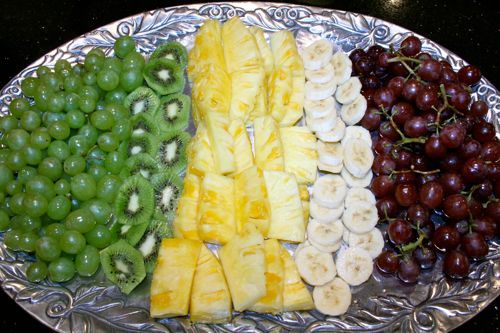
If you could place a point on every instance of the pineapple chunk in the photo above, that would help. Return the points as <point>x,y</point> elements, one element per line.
<point>268,148</point>
<point>199,152</point>
<point>210,297</point>
<point>251,200</point>
<point>260,106</point>
<point>244,264</point>
<point>207,49</point>
<point>287,219</point>
<point>173,277</point>
<point>264,49</point>
<point>295,109</point>
<point>221,141</point>
<point>245,89</point>
<point>240,48</point>
<point>273,301</point>
<point>243,156</point>
<point>305,211</point>
<point>296,297</point>
<point>185,222</point>
<point>304,192</point>
<point>299,146</point>
<point>211,93</point>
<point>285,51</point>
<point>216,209</point>
<point>280,91</point>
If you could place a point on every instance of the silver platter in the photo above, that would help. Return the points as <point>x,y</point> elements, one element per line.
<point>435,304</point>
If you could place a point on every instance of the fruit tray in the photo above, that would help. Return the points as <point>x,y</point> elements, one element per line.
<point>381,304</point>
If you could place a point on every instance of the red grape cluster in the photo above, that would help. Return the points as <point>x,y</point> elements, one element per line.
<point>435,153</point>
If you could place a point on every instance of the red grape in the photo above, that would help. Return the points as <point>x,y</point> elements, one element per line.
<point>456,264</point>
<point>434,147</point>
<point>493,210</point>
<point>374,51</point>
<point>372,118</point>
<point>418,215</point>
<point>469,148</point>
<point>396,85</point>
<point>363,66</point>
<point>430,70</point>
<point>455,207</point>
<point>483,131</point>
<point>460,100</point>
<point>368,94</point>
<point>425,256</point>
<point>402,157</point>
<point>383,165</point>
<point>388,131</point>
<point>475,207</point>
<point>427,99</point>
<point>452,135</point>
<point>382,146</point>
<point>387,206</point>
<point>383,58</point>
<point>402,112</point>
<point>483,190</point>
<point>388,262</point>
<point>485,226</point>
<point>370,82</point>
<point>474,245</point>
<point>448,75</point>
<point>382,186</point>
<point>490,151</point>
<point>474,170</point>
<point>406,194</point>
<point>431,194</point>
<point>397,69</point>
<point>462,226</point>
<point>446,237</point>
<point>451,162</point>
<point>406,178</point>
<point>409,270</point>
<point>452,183</point>
<point>384,97</point>
<point>422,56</point>
<point>400,232</point>
<point>410,46</point>
<point>479,109</point>
<point>411,89</point>
<point>469,75</point>
<point>356,55</point>
<point>415,127</point>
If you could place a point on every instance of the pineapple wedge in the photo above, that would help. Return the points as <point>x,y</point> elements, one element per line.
<point>211,93</point>
<point>304,197</point>
<point>244,264</point>
<point>261,103</point>
<point>216,209</point>
<point>287,218</point>
<point>173,277</point>
<point>243,156</point>
<point>240,48</point>
<point>268,148</point>
<point>295,109</point>
<point>207,49</point>
<point>199,152</point>
<point>251,201</point>
<point>185,222</point>
<point>296,297</point>
<point>264,49</point>
<point>305,211</point>
<point>285,51</point>
<point>210,297</point>
<point>221,141</point>
<point>279,92</point>
<point>245,87</point>
<point>273,301</point>
<point>299,147</point>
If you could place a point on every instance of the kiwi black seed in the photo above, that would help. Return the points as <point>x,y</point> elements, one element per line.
<point>144,144</point>
<point>164,76</point>
<point>144,123</point>
<point>150,242</point>
<point>135,201</point>
<point>141,100</point>
<point>167,187</point>
<point>123,265</point>
<point>140,164</point>
<point>171,150</point>
<point>173,112</point>
<point>172,50</point>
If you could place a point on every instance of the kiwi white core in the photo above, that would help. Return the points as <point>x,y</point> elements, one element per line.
<point>122,267</point>
<point>172,110</point>
<point>171,151</point>
<point>136,150</point>
<point>164,74</point>
<point>148,246</point>
<point>138,107</point>
<point>144,173</point>
<point>133,203</point>
<point>166,196</point>
<point>138,131</point>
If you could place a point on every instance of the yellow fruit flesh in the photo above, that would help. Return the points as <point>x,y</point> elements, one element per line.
<point>243,155</point>
<point>221,142</point>
<point>200,157</point>
<point>296,297</point>
<point>185,222</point>
<point>267,142</point>
<point>300,155</point>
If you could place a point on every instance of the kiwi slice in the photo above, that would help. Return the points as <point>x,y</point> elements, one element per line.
<point>150,242</point>
<point>135,201</point>
<point>144,144</point>
<point>123,265</point>
<point>164,76</point>
<point>140,164</point>
<point>168,188</point>
<point>171,150</point>
<point>173,112</point>
<point>172,50</point>
<point>144,123</point>
<point>142,100</point>
<point>133,233</point>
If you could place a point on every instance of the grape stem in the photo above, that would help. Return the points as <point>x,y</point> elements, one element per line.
<point>416,171</point>
<point>403,59</point>
<point>404,139</point>
<point>412,246</point>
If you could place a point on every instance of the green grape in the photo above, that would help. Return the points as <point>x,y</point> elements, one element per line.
<point>81,220</point>
<point>74,165</point>
<point>42,71</point>
<point>107,79</point>
<point>122,129</point>
<point>87,104</point>
<point>42,96</point>
<point>12,239</point>
<point>131,79</point>
<point>35,204</point>
<point>93,62</point>
<point>108,141</point>
<point>27,242</point>
<point>100,236</point>
<point>42,185</point>
<point>47,248</point>
<point>114,162</point>
<point>83,187</point>
<point>89,91</point>
<point>118,111</point>
<point>2,197</point>
<point>123,46</point>
<point>15,160</point>
<point>6,176</point>
<point>58,149</point>
<point>4,220</point>
<point>13,187</point>
<point>8,123</point>
<point>56,102</point>
<point>55,230</point>
<point>62,187</point>
<point>113,63</point>
<point>117,95</point>
<point>96,156</point>
<point>40,138</point>
<point>133,60</point>
<point>50,167</point>
<point>30,120</point>
<point>59,207</point>
<point>5,205</point>
<point>32,155</point>
<point>72,102</point>
<point>72,242</point>
<point>61,270</point>
<point>72,83</point>
<point>108,187</point>
<point>89,78</point>
<point>78,69</point>
<point>16,203</point>
<point>87,262</point>
<point>97,172</point>
<point>17,139</point>
<point>18,106</point>
<point>97,52</point>
<point>25,174</point>
<point>29,85</point>
<point>75,204</point>
<point>4,155</point>
<point>37,271</point>
<point>52,81</point>
<point>75,118</point>
<point>62,67</point>
<point>78,145</point>
<point>49,118</point>
<point>102,120</point>
<point>100,210</point>
<point>101,105</point>
<point>59,130</point>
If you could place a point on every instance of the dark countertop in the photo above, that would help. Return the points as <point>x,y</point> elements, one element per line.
<point>31,28</point>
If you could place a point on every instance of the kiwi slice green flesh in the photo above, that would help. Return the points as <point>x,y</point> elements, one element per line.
<point>167,188</point>
<point>144,123</point>
<point>135,201</point>
<point>171,150</point>
<point>172,50</point>
<point>150,242</point>
<point>144,144</point>
<point>133,233</point>
<point>173,112</point>
<point>141,100</point>
<point>140,164</point>
<point>123,265</point>
<point>164,76</point>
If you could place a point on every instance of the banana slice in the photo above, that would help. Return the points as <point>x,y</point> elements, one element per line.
<point>320,108</point>
<point>354,182</point>
<point>317,55</point>
<point>334,135</point>
<point>357,132</point>
<point>325,234</point>
<point>348,91</point>
<point>342,67</point>
<point>358,157</point>
<point>360,217</point>
<point>330,191</point>
<point>322,124</point>
<point>299,247</point>
<point>323,214</point>
<point>330,168</point>
<point>327,249</point>
<point>314,266</point>
<point>333,298</point>
<point>372,242</point>
<point>353,112</point>
<point>345,235</point>
<point>359,194</point>
<point>316,91</point>
<point>354,265</point>
<point>322,75</point>
<point>330,153</point>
